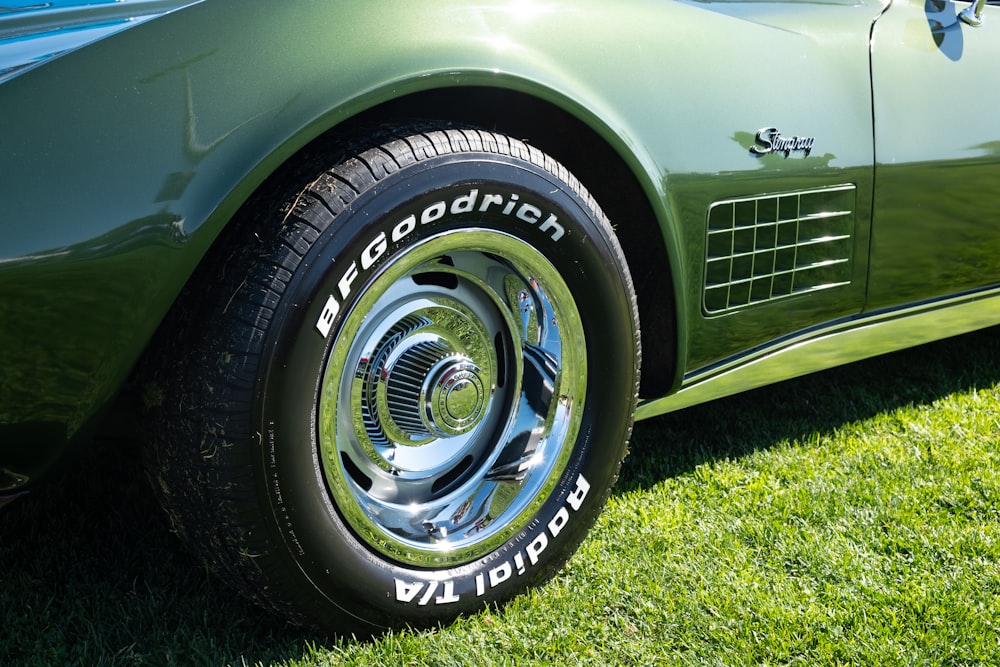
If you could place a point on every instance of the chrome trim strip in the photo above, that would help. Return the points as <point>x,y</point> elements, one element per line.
<point>842,342</point>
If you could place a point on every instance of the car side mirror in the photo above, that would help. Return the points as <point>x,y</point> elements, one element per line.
<point>973,14</point>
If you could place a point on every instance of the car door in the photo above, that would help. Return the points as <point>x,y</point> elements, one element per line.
<point>936,221</point>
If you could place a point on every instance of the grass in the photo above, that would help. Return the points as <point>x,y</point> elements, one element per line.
<point>847,518</point>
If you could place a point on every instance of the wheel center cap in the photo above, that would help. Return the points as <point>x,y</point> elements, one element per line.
<point>431,391</point>
<point>457,397</point>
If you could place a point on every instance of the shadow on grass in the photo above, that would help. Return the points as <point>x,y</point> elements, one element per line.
<point>676,443</point>
<point>93,576</point>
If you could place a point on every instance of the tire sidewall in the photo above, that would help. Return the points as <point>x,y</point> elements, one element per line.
<point>386,220</point>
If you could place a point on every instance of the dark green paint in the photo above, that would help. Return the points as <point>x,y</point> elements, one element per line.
<point>124,159</point>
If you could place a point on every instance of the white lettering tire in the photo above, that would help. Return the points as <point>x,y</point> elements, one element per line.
<point>403,390</point>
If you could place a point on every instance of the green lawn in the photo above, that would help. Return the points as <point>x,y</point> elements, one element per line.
<point>851,517</point>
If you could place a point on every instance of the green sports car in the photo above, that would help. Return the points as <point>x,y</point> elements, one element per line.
<point>376,275</point>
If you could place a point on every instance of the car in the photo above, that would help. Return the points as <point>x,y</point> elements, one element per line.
<point>376,276</point>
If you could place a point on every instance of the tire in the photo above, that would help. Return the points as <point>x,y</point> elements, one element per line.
<point>407,396</point>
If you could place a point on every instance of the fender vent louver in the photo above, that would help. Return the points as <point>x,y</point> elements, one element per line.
<point>766,248</point>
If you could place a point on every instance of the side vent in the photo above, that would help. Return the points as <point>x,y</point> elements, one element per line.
<point>768,248</point>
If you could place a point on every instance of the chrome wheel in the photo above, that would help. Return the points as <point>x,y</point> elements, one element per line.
<point>451,398</point>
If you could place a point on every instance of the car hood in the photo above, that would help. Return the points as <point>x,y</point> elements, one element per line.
<point>32,31</point>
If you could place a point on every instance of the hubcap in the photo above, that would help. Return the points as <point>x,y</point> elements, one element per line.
<point>457,396</point>
<point>452,397</point>
<point>431,390</point>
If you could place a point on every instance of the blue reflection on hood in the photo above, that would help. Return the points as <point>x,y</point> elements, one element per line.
<point>32,32</point>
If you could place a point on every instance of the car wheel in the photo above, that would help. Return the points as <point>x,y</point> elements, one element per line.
<point>403,390</point>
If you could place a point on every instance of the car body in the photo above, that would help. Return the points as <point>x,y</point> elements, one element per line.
<point>793,185</point>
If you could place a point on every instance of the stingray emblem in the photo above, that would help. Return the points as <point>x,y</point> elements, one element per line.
<point>769,140</point>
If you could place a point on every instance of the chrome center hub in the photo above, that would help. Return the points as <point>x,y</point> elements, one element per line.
<point>423,387</point>
<point>457,397</point>
<point>430,391</point>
